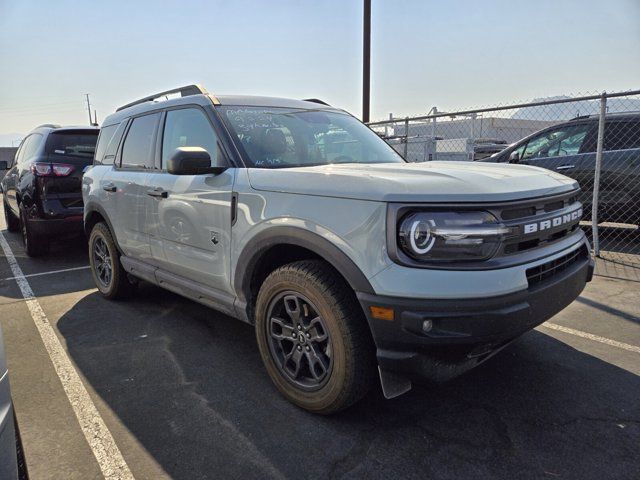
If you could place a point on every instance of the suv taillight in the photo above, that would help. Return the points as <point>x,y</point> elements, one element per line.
<point>51,169</point>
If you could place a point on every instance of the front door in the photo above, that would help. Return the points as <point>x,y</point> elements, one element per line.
<point>191,217</point>
<point>565,150</point>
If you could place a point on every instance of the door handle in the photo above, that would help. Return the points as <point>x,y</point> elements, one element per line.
<point>109,187</point>
<point>158,192</point>
<point>565,167</point>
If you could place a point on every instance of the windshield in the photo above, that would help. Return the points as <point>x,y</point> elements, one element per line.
<point>72,143</point>
<point>284,137</point>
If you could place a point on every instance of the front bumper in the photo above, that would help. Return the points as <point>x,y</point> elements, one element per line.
<point>466,332</point>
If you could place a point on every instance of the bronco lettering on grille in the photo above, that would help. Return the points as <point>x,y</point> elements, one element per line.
<point>553,222</point>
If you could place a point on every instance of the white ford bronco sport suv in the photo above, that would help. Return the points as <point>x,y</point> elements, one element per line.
<point>352,264</point>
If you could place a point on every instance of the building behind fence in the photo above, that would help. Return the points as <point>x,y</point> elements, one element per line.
<point>594,139</point>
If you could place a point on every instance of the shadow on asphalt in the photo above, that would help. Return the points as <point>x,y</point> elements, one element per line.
<point>69,252</point>
<point>608,309</point>
<point>189,384</point>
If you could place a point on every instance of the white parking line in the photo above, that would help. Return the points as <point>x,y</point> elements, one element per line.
<point>103,446</point>
<point>50,272</point>
<point>591,336</point>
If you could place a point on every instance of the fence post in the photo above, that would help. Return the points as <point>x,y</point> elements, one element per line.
<point>596,178</point>
<point>406,137</point>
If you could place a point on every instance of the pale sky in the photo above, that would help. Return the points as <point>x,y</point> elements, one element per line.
<point>451,54</point>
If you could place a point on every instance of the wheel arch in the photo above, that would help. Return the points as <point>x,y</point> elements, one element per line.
<point>93,214</point>
<point>277,246</point>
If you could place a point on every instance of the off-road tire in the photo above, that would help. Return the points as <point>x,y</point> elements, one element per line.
<point>118,286</point>
<point>353,352</point>
<point>13,222</point>
<point>35,245</point>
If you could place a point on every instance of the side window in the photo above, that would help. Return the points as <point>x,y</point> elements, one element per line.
<point>569,145</point>
<point>137,151</point>
<point>30,146</point>
<point>621,135</point>
<point>565,140</point>
<point>103,139</point>
<point>188,127</point>
<point>112,148</point>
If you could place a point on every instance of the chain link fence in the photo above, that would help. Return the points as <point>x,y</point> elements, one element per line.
<point>594,139</point>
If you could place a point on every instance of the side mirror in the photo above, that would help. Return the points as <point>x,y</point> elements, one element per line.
<point>4,165</point>
<point>514,157</point>
<point>191,161</point>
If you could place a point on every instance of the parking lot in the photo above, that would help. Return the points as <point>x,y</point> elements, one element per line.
<point>184,395</point>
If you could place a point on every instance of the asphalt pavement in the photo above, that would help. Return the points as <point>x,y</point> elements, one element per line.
<point>184,395</point>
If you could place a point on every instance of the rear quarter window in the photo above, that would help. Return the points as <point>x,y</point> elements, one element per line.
<point>106,133</point>
<point>622,135</point>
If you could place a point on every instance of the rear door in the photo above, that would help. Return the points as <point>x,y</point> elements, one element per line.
<point>191,221</point>
<point>22,188</point>
<point>9,181</point>
<point>125,185</point>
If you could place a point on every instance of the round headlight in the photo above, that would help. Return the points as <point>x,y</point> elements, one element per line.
<point>420,236</point>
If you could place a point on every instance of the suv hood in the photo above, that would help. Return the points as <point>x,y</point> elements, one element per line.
<point>415,182</point>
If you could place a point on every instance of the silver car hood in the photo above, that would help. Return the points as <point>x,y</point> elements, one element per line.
<point>415,182</point>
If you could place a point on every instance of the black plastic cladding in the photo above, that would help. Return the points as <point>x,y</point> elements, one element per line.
<point>512,214</point>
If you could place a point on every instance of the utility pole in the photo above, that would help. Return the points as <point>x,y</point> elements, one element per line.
<point>95,117</point>
<point>366,61</point>
<point>88,108</point>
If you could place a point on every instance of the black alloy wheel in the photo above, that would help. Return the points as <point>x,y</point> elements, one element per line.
<point>103,262</point>
<point>299,340</point>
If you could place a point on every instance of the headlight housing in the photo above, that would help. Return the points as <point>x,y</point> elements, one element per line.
<point>441,237</point>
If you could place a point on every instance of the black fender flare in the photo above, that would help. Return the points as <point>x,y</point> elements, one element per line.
<point>287,235</point>
<point>92,207</point>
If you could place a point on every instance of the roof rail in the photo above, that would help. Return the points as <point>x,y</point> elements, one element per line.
<point>48,125</point>
<point>316,100</point>
<point>185,91</point>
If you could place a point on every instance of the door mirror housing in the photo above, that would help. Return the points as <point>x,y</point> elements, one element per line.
<point>514,157</point>
<point>192,161</point>
<point>4,165</point>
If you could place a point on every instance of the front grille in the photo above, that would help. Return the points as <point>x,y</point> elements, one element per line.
<point>547,270</point>
<point>534,212</point>
<point>516,246</point>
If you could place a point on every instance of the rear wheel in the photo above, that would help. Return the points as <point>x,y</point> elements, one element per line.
<point>313,337</point>
<point>35,245</point>
<point>108,274</point>
<point>13,222</point>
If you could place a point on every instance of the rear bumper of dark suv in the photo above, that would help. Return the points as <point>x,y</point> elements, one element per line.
<point>460,334</point>
<point>57,215</point>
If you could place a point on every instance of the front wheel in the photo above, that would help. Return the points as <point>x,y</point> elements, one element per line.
<point>313,337</point>
<point>107,271</point>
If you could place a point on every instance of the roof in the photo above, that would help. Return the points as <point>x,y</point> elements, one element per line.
<point>258,101</point>
<point>609,116</point>
<point>136,108</point>
<point>51,127</point>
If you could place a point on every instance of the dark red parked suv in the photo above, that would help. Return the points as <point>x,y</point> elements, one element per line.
<point>41,190</point>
